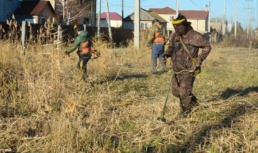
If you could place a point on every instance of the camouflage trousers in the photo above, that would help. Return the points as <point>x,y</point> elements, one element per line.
<point>182,85</point>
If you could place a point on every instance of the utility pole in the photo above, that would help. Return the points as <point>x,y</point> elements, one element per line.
<point>99,8</point>
<point>209,19</point>
<point>224,19</point>
<point>235,19</point>
<point>209,26</point>
<point>177,5</point>
<point>122,14</point>
<point>248,19</point>
<point>137,24</point>
<point>248,27</point>
<point>109,27</point>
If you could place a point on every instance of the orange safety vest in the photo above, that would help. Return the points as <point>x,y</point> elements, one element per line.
<point>84,47</point>
<point>158,36</point>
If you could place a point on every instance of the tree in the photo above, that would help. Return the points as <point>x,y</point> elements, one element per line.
<point>240,30</point>
<point>72,10</point>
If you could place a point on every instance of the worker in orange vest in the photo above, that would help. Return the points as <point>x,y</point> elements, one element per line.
<point>84,44</point>
<point>156,40</point>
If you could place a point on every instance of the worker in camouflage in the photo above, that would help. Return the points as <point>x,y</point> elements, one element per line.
<point>186,60</point>
<point>156,40</point>
<point>84,44</point>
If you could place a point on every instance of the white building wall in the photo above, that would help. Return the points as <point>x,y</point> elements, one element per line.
<point>169,18</point>
<point>113,23</point>
<point>116,23</point>
<point>198,25</point>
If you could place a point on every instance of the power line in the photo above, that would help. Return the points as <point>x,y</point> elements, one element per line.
<point>119,5</point>
<point>214,14</point>
<point>230,4</point>
<point>203,8</point>
<point>196,4</point>
<point>162,1</point>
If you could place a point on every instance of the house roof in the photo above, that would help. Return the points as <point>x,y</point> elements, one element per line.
<point>192,14</point>
<point>165,10</point>
<point>189,14</point>
<point>146,16</point>
<point>32,7</point>
<point>112,16</point>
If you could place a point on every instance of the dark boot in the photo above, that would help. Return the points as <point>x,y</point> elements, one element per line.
<point>194,101</point>
<point>186,105</point>
<point>84,74</point>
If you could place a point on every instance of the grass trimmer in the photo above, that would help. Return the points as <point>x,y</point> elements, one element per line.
<point>162,118</point>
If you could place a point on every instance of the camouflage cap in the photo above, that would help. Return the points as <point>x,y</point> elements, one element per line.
<point>156,22</point>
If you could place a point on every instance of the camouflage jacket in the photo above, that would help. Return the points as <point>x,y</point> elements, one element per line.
<point>180,58</point>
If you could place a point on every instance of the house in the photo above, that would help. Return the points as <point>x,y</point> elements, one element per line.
<point>216,23</point>
<point>229,26</point>
<point>166,13</point>
<point>7,8</point>
<point>199,19</point>
<point>146,18</point>
<point>114,18</point>
<point>221,25</point>
<point>36,12</point>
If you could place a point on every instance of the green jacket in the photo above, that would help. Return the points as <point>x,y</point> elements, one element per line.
<point>81,38</point>
<point>151,34</point>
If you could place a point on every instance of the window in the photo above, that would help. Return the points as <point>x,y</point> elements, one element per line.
<point>142,26</point>
<point>171,18</point>
<point>146,26</point>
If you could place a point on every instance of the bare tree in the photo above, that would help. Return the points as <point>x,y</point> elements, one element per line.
<point>71,10</point>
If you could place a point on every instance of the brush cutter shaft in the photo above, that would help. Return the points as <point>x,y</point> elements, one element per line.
<point>163,111</point>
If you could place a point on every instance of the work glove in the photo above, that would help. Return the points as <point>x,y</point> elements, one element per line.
<point>197,70</point>
<point>96,52</point>
<point>164,59</point>
<point>67,53</point>
<point>166,55</point>
<point>198,62</point>
<point>197,66</point>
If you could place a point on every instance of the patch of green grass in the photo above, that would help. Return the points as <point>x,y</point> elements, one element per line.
<point>206,116</point>
<point>212,149</point>
<point>131,86</point>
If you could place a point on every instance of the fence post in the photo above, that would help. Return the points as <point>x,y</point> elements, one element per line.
<point>250,45</point>
<point>84,26</point>
<point>59,35</point>
<point>23,36</point>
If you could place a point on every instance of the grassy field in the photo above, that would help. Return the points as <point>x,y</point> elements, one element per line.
<point>46,107</point>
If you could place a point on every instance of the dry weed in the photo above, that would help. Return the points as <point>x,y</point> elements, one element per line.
<point>46,107</point>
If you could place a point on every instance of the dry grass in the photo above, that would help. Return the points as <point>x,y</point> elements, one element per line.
<point>46,107</point>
